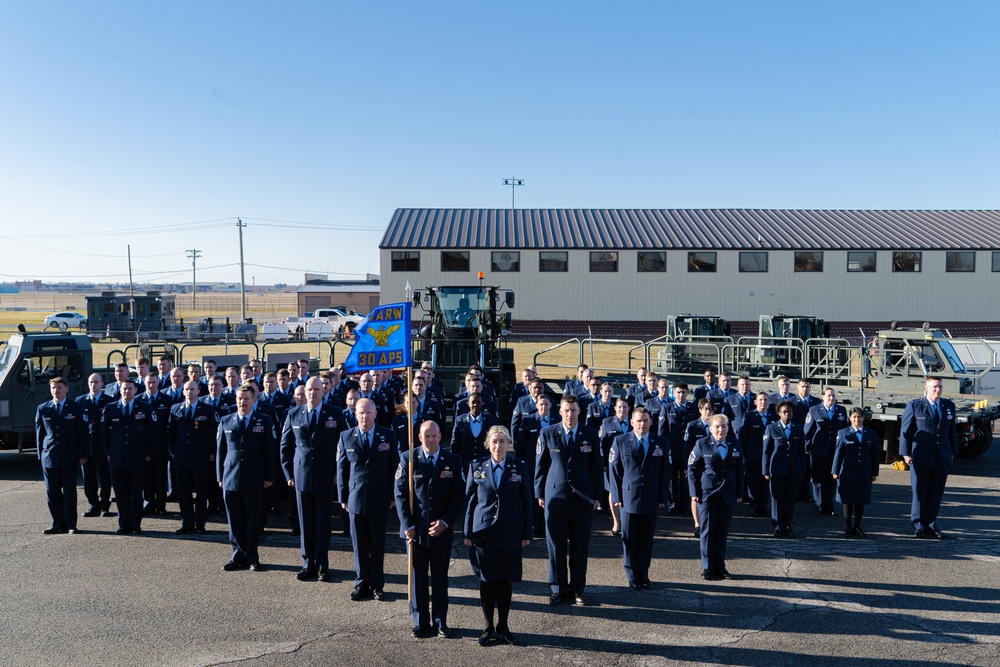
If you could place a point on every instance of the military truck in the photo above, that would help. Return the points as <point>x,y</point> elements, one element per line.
<point>463,325</point>
<point>27,362</point>
<point>691,343</point>
<point>127,318</point>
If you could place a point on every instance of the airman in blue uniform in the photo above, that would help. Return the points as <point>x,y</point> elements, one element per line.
<point>855,467</point>
<point>62,439</point>
<point>823,422</point>
<point>125,430</point>
<point>191,433</point>
<point>784,467</point>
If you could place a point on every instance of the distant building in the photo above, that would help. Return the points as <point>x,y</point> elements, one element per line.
<point>360,295</point>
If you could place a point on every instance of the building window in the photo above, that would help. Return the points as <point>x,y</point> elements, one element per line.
<point>906,262</point>
<point>861,262</point>
<point>506,261</point>
<point>454,260</point>
<point>753,262</point>
<point>405,260</point>
<point>703,262</point>
<point>549,262</point>
<point>655,262</point>
<point>603,262</point>
<point>808,262</point>
<point>961,262</point>
<point>996,262</point>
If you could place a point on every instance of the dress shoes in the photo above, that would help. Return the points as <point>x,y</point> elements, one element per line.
<point>325,576</point>
<point>53,531</point>
<point>105,512</point>
<point>858,532</point>
<point>818,513</point>
<point>137,531</point>
<point>201,531</point>
<point>724,573</point>
<point>556,599</point>
<point>646,585</point>
<point>920,533</point>
<point>305,574</point>
<point>506,637</point>
<point>232,566</point>
<point>788,532</point>
<point>183,531</point>
<point>419,631</point>
<point>92,512</point>
<point>634,586</point>
<point>379,594</point>
<point>256,567</point>
<point>123,531</point>
<point>778,533</point>
<point>708,575</point>
<point>935,533</point>
<point>487,636</point>
<point>616,533</point>
<point>697,532</point>
<point>360,593</point>
<point>72,531</point>
<point>580,599</point>
<point>849,533</point>
<point>444,631</point>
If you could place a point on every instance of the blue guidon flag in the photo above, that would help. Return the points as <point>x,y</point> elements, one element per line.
<point>382,340</point>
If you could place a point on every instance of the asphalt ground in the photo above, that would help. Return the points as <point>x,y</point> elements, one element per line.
<point>100,599</point>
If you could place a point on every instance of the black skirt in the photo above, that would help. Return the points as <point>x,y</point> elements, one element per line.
<point>496,564</point>
<point>854,491</point>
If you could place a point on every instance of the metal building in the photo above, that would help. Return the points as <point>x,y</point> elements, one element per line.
<point>645,264</point>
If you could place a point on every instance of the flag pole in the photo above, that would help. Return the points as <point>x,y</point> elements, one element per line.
<point>409,431</point>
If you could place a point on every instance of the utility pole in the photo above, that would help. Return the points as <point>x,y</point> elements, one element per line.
<point>243,282</point>
<point>194,255</point>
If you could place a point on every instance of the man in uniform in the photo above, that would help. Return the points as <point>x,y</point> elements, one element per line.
<point>96,474</point>
<point>246,446</point>
<point>113,389</point>
<point>928,443</point>
<point>125,429</point>
<point>708,388</point>
<point>569,478</point>
<point>309,460</point>
<point>639,463</point>
<point>191,432</point>
<point>526,406</point>
<point>468,437</point>
<point>823,422</point>
<point>155,485</point>
<point>739,404</point>
<point>784,392</point>
<point>751,438</point>
<point>63,444</point>
<point>428,526</point>
<point>367,458</point>
<point>674,418</point>
<point>601,409</point>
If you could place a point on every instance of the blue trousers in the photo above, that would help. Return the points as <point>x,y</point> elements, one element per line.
<point>315,519</point>
<point>824,486</point>
<point>128,496</point>
<point>637,538</point>
<point>60,491</point>
<point>570,526</point>
<point>927,485</point>
<point>714,516</point>
<point>435,558</point>
<point>243,509</point>
<point>368,540</point>
<point>784,491</point>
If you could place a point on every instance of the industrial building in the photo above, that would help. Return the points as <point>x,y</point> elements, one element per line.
<point>644,264</point>
<point>359,295</point>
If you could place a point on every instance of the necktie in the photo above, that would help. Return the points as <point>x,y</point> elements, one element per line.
<point>243,423</point>
<point>58,409</point>
<point>314,418</point>
<point>128,410</point>
<point>642,447</point>
<point>788,432</point>
<point>623,425</point>
<point>723,450</point>
<point>829,414</point>
<point>857,432</point>
<point>497,474</point>
<point>190,412</point>
<point>365,441</point>
<point>476,426</point>
<point>937,410</point>
<point>569,440</point>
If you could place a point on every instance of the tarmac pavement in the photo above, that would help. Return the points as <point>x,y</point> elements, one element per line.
<point>158,599</point>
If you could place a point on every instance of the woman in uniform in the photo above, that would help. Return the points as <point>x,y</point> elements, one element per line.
<point>855,467</point>
<point>498,525</point>
<point>784,466</point>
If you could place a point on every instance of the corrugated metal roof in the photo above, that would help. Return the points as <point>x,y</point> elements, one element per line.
<point>719,229</point>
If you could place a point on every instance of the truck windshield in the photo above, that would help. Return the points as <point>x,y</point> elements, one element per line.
<point>952,356</point>
<point>7,358</point>
<point>460,305</point>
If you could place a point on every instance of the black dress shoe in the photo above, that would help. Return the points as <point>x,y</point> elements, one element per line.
<point>92,512</point>
<point>634,586</point>
<point>616,533</point>
<point>419,631</point>
<point>646,585</point>
<point>379,594</point>
<point>858,532</point>
<point>849,532</point>
<point>444,631</point>
<point>830,513</point>
<point>53,531</point>
<point>725,574</point>
<point>256,567</point>
<point>487,636</point>
<point>123,531</point>
<point>697,532</point>
<point>105,512</point>
<point>556,599</point>
<point>232,566</point>
<point>920,533</point>
<point>201,531</point>
<point>305,574</point>
<point>778,533</point>
<point>936,533</point>
<point>788,532</point>
<point>707,575</point>
<point>325,576</point>
<point>818,513</point>
<point>580,599</point>
<point>360,593</point>
<point>72,531</point>
<point>183,531</point>
<point>506,637</point>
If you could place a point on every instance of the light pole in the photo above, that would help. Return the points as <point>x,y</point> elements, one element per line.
<point>194,254</point>
<point>512,182</point>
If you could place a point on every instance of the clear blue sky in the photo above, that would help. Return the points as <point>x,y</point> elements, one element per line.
<point>136,122</point>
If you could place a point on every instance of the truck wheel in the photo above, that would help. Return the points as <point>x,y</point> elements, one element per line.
<point>979,444</point>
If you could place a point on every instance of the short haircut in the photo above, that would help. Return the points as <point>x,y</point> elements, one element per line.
<point>272,374</point>
<point>857,411</point>
<point>569,399</point>
<point>59,380</point>
<point>282,373</point>
<point>246,389</point>
<point>680,385</point>
<point>142,361</point>
<point>639,409</point>
<point>785,404</point>
<point>705,403</point>
<point>718,417</point>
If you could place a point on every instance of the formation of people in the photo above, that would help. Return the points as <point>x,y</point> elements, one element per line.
<point>238,440</point>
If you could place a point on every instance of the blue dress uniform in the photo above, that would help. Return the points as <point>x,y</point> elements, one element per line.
<point>365,474</point>
<point>432,410</point>
<point>309,457</point>
<point>598,411</point>
<point>191,441</point>
<point>751,438</point>
<point>155,485</point>
<point>611,428</point>
<point>674,418</point>
<point>855,462</point>
<point>930,438</point>
<point>821,430</point>
<point>526,407</point>
<point>717,481</point>
<point>784,462</point>
<point>438,495</point>
<point>62,438</point>
<point>245,459</point>
<point>96,473</point>
<point>498,518</point>
<point>569,477</point>
<point>736,408</point>
<point>401,429</point>
<point>526,441</point>
<point>465,443</point>
<point>640,481</point>
<point>126,434</point>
